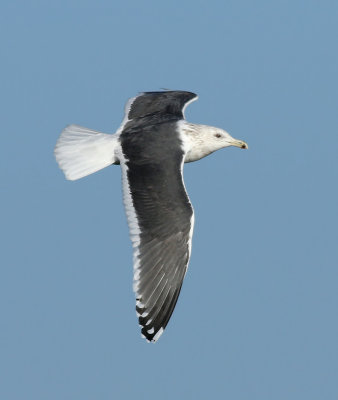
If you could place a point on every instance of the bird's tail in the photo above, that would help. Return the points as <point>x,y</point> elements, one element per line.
<point>80,151</point>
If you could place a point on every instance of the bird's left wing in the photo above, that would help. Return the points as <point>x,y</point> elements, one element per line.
<point>170,103</point>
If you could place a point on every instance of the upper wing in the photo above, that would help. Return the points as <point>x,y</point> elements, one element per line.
<point>168,103</point>
<point>160,219</point>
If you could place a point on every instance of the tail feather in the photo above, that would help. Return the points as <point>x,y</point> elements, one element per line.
<point>80,151</point>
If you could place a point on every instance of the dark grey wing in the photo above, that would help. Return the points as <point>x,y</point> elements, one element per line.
<point>169,103</point>
<point>160,219</point>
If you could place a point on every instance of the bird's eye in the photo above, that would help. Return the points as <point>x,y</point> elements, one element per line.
<point>218,135</point>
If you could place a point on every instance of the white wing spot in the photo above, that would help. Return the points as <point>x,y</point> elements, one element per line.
<point>158,334</point>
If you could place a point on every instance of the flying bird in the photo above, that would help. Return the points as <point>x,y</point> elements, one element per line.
<point>151,146</point>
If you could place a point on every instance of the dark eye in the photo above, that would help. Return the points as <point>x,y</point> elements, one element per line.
<point>218,135</point>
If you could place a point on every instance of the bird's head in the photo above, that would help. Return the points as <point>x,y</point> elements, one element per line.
<point>221,139</point>
<point>204,140</point>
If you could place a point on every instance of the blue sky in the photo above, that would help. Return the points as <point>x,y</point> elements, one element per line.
<point>257,315</point>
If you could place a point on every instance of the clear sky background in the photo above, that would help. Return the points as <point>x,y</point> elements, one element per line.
<point>257,317</point>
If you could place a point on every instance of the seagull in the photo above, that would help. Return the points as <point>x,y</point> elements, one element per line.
<point>151,146</point>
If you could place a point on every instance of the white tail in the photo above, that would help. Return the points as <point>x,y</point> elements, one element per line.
<point>80,151</point>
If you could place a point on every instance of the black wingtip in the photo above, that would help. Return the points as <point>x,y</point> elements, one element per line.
<point>153,336</point>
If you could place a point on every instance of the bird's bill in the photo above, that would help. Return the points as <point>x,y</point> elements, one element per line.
<point>240,144</point>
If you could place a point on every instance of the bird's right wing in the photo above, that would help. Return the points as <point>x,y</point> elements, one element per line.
<point>160,218</point>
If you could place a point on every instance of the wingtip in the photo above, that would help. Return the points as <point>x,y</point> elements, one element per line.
<point>150,335</point>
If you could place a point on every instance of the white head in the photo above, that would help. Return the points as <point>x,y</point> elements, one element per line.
<point>201,140</point>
